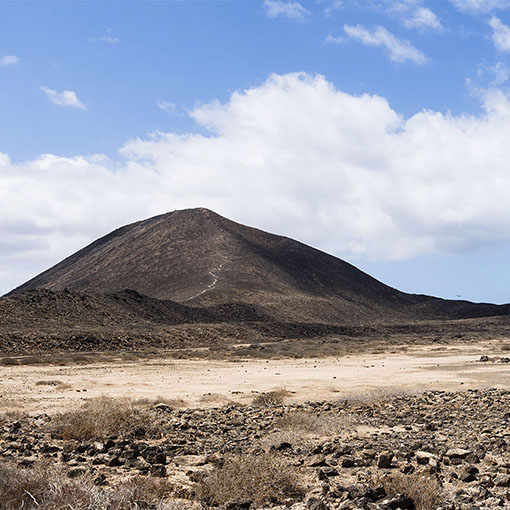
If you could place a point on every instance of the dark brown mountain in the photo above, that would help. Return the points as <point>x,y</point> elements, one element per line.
<point>201,259</point>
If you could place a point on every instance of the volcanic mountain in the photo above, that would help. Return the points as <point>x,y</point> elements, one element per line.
<point>201,259</point>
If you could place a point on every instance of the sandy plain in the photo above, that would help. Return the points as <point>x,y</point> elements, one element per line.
<point>211,383</point>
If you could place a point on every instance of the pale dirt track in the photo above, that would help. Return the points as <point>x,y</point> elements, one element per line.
<point>208,382</point>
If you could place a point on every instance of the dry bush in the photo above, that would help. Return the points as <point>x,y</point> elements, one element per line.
<point>271,398</point>
<point>294,437</point>
<point>212,397</point>
<point>318,424</point>
<point>12,415</point>
<point>262,479</point>
<point>7,362</point>
<point>46,487</point>
<point>104,417</point>
<point>376,395</point>
<point>33,360</point>
<point>63,387</point>
<point>424,490</point>
<point>49,383</point>
<point>175,403</point>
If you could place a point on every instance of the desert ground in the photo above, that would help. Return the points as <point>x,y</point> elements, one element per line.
<point>417,427</point>
<point>198,383</point>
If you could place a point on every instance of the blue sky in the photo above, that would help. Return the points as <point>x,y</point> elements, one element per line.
<point>388,149</point>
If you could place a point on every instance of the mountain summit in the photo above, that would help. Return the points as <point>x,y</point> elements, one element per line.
<point>200,258</point>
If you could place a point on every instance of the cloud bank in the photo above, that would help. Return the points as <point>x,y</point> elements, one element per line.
<point>294,156</point>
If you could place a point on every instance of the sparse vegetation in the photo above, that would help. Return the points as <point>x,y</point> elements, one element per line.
<point>9,362</point>
<point>213,457</point>
<point>318,424</point>
<point>275,439</point>
<point>45,487</point>
<point>376,395</point>
<point>49,383</point>
<point>104,417</point>
<point>211,397</point>
<point>11,415</point>
<point>424,490</point>
<point>270,398</point>
<point>174,403</point>
<point>261,479</point>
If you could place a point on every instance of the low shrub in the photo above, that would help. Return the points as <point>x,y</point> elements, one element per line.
<point>271,398</point>
<point>103,417</point>
<point>318,424</point>
<point>48,488</point>
<point>262,479</point>
<point>49,383</point>
<point>8,362</point>
<point>425,491</point>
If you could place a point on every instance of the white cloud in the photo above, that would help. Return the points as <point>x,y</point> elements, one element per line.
<point>493,76</point>
<point>422,18</point>
<point>109,39</point>
<point>9,60</point>
<point>335,39</point>
<point>293,11</point>
<point>412,14</point>
<point>500,34</point>
<point>480,6</point>
<point>398,50</point>
<point>167,107</point>
<point>335,5</point>
<point>295,156</point>
<point>64,98</point>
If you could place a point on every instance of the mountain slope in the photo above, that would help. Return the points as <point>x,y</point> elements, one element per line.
<point>199,258</point>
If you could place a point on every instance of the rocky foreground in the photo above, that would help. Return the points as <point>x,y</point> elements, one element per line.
<point>435,450</point>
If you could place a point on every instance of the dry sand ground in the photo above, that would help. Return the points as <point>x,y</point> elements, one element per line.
<point>208,382</point>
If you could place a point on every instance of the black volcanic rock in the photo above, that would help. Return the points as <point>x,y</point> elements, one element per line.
<point>199,258</point>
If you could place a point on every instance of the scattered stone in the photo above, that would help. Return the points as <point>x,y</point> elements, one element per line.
<point>400,501</point>
<point>315,461</point>
<point>158,470</point>
<point>384,460</point>
<point>347,462</point>
<point>238,504</point>
<point>502,480</point>
<point>423,458</point>
<point>457,453</point>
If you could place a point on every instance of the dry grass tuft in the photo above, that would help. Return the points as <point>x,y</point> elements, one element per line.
<point>293,437</point>
<point>8,362</point>
<point>212,397</point>
<point>317,424</point>
<point>49,383</point>
<point>424,490</point>
<point>376,395</point>
<point>104,417</point>
<point>263,479</point>
<point>47,488</point>
<point>12,415</point>
<point>271,398</point>
<point>175,403</point>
